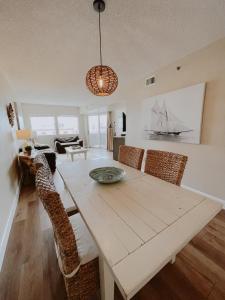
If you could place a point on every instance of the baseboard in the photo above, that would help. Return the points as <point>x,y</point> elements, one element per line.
<point>4,241</point>
<point>222,201</point>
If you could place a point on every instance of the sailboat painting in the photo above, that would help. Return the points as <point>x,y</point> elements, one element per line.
<point>175,116</point>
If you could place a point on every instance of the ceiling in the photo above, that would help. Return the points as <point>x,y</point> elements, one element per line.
<point>48,46</point>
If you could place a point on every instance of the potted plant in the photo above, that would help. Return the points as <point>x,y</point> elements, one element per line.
<point>28,150</point>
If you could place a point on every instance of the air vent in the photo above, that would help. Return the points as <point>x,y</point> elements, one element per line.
<point>150,81</point>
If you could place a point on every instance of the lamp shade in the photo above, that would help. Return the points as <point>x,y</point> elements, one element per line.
<point>101,80</point>
<point>23,134</point>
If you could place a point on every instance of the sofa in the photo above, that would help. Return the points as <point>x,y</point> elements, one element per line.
<point>41,147</point>
<point>61,143</point>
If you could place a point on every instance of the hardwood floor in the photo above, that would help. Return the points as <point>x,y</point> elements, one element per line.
<point>30,270</point>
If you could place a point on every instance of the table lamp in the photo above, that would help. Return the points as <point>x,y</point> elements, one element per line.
<point>23,134</point>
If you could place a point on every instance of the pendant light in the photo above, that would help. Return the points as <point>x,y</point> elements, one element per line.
<point>101,80</point>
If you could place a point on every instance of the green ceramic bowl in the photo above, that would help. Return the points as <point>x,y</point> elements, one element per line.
<point>107,174</point>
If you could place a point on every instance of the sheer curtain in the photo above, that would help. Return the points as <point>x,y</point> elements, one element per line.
<point>110,131</point>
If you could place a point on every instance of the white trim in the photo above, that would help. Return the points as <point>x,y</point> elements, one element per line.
<point>205,194</point>
<point>5,237</point>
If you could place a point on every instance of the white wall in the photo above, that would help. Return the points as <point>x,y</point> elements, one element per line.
<point>205,169</point>
<point>9,188</point>
<point>51,110</point>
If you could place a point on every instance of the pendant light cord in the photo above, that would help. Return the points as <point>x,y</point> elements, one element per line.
<point>100,35</point>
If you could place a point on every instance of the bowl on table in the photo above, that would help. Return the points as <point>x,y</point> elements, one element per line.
<point>107,174</point>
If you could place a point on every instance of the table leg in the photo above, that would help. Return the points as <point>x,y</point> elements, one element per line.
<point>72,156</point>
<point>85,155</point>
<point>106,281</point>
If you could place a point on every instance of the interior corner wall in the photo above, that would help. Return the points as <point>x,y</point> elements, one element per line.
<point>205,171</point>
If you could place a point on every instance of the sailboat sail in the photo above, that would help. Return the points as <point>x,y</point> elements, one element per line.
<point>158,121</point>
<point>165,122</point>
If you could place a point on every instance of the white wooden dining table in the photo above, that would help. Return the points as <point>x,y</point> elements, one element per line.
<point>139,224</point>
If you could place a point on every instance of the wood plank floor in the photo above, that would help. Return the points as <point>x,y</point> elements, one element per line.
<point>30,270</point>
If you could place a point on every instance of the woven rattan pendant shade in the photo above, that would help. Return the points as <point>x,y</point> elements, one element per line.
<point>101,80</point>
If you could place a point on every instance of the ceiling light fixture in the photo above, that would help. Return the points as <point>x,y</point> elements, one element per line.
<point>101,80</point>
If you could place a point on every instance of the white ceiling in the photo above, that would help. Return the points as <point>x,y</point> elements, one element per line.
<point>47,46</point>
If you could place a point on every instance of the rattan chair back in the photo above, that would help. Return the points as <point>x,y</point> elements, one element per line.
<point>131,156</point>
<point>168,166</point>
<point>63,232</point>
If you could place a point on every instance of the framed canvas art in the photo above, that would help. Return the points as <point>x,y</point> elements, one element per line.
<point>175,116</point>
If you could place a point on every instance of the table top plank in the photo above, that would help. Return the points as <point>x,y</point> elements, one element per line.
<point>170,200</point>
<point>114,250</point>
<point>152,221</point>
<point>121,229</point>
<point>146,200</point>
<point>138,268</point>
<point>172,197</point>
<point>108,193</point>
<point>172,192</point>
<point>115,224</point>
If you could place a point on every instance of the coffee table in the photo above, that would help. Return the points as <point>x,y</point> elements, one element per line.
<point>70,152</point>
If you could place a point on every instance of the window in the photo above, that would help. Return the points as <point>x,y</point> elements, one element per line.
<point>93,124</point>
<point>68,125</point>
<point>43,125</point>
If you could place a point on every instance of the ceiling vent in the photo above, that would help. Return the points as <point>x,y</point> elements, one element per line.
<point>150,81</point>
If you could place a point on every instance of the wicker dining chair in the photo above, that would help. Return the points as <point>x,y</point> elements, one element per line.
<point>168,166</point>
<point>40,160</point>
<point>56,180</point>
<point>131,156</point>
<point>79,268</point>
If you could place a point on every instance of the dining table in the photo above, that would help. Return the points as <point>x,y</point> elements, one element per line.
<point>139,224</point>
